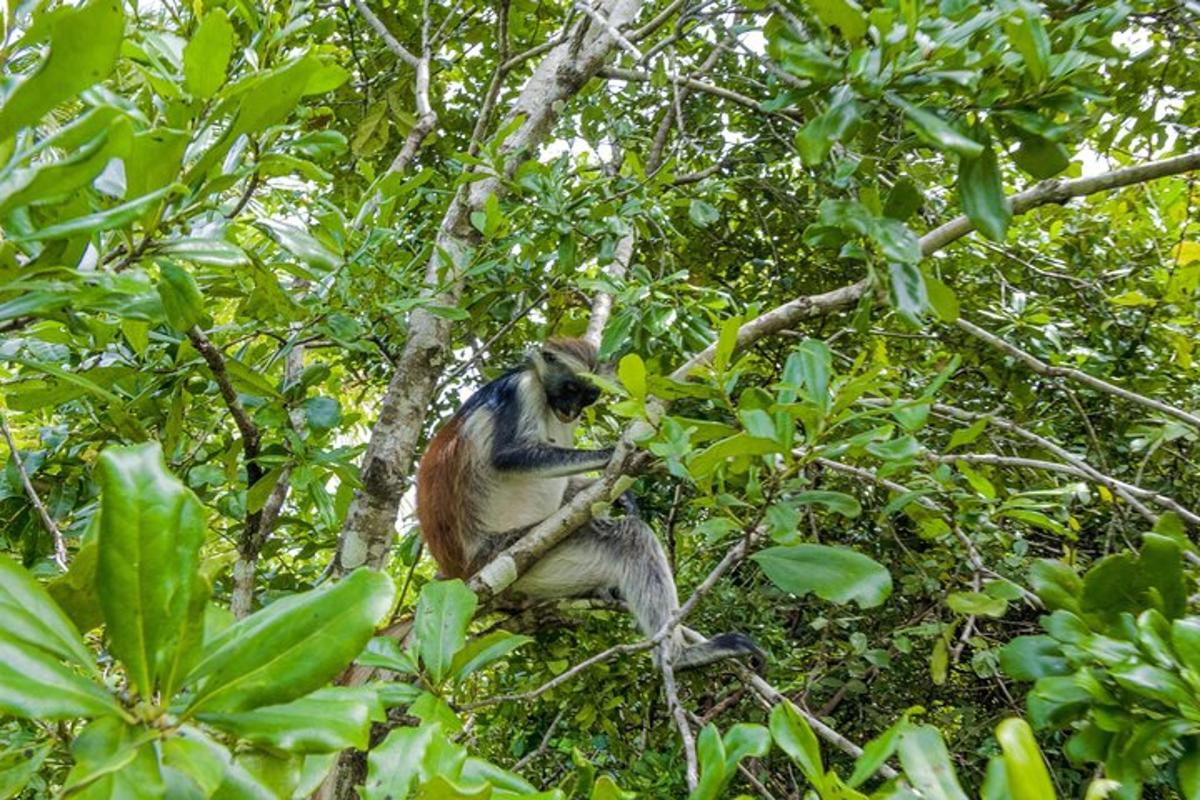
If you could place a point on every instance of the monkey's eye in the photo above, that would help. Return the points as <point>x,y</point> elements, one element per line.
<point>549,357</point>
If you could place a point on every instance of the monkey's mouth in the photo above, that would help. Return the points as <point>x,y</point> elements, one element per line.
<point>565,417</point>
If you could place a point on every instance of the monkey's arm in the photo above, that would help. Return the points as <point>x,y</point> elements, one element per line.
<point>547,460</point>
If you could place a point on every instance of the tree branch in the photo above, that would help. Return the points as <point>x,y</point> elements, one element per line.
<point>249,543</point>
<point>391,41</point>
<point>60,547</point>
<point>1042,368</point>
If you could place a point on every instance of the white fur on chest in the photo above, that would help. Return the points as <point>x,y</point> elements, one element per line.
<point>517,501</point>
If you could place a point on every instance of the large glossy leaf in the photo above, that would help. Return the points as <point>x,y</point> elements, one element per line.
<point>114,759</point>
<point>151,530</point>
<point>206,56</point>
<point>927,764</point>
<point>36,685</point>
<point>443,613</point>
<point>325,721</point>
<point>1027,658</point>
<point>28,616</point>
<point>291,647</point>
<point>981,191</point>
<point>104,220</point>
<point>936,131</point>
<point>1028,778</point>
<point>832,573</point>
<point>84,43</point>
<point>483,650</point>
<point>180,295</point>
<point>795,736</point>
<point>395,765</point>
<point>193,764</point>
<point>69,174</point>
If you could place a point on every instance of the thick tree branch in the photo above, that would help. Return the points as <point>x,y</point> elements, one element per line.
<point>370,523</point>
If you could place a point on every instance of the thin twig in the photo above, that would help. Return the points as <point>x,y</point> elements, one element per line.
<point>60,546</point>
<point>677,711</point>
<point>1079,376</point>
<point>542,747</point>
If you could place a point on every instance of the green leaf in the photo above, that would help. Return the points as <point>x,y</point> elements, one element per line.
<point>18,765</point>
<point>36,685</point>
<point>397,763</point>
<point>1027,658</point>
<point>726,343</point>
<point>193,764</point>
<point>217,252</point>
<point>484,650</point>
<point>836,574</point>
<point>927,764</point>
<point>814,363</point>
<point>206,56</point>
<point>1056,584</point>
<point>444,611</point>
<point>632,372</point>
<point>710,752</point>
<point>976,603</point>
<point>28,616</point>
<point>181,299</point>
<point>741,444</point>
<point>895,239</point>
<point>941,299</point>
<point>1185,639</point>
<point>820,134</point>
<point>876,752</point>
<point>908,293</point>
<point>326,721</point>
<point>1027,776</point>
<point>795,736</point>
<point>322,413</point>
<point>935,131</point>
<point>151,530</point>
<point>903,199</point>
<point>291,647</point>
<point>845,15</point>
<point>1028,37</point>
<point>114,217</point>
<point>56,178</point>
<point>981,192</point>
<point>702,214</point>
<point>1040,157</point>
<point>113,759</point>
<point>301,244</point>
<point>84,44</point>
<point>838,502</point>
<point>967,435</point>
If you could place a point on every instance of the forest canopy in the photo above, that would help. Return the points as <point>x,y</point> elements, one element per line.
<point>901,300</point>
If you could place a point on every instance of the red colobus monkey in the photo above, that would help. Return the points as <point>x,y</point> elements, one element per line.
<point>502,464</point>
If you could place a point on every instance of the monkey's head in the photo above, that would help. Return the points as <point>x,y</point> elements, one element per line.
<point>562,366</point>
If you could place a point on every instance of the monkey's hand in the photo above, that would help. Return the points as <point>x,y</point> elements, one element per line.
<point>627,459</point>
<point>628,504</point>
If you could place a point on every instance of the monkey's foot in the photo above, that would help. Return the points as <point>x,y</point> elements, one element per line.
<point>720,647</point>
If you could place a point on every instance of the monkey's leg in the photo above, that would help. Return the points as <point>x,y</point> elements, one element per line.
<point>625,556</point>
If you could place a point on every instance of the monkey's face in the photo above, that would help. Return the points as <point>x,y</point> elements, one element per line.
<point>568,392</point>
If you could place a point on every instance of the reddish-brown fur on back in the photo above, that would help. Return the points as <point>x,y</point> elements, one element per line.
<point>440,507</point>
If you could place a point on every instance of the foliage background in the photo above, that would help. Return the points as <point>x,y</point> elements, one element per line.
<point>227,229</point>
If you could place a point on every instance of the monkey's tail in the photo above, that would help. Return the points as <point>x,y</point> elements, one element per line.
<point>718,648</point>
